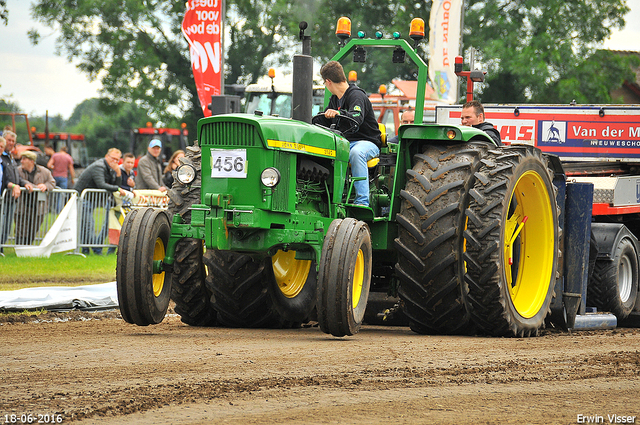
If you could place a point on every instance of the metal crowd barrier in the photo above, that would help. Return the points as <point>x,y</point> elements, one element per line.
<point>25,221</point>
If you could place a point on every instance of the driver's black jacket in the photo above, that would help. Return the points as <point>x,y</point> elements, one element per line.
<point>355,104</point>
<point>488,128</point>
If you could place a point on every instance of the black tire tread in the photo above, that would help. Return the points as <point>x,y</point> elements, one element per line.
<point>603,292</point>
<point>429,241</point>
<point>489,308</point>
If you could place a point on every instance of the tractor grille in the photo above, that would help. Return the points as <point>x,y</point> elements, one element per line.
<point>280,200</point>
<point>229,134</point>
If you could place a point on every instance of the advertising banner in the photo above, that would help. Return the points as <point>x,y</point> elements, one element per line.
<point>574,133</point>
<point>202,27</point>
<point>444,46</point>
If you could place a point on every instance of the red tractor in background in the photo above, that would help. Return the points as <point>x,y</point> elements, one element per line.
<point>172,139</point>
<point>75,143</point>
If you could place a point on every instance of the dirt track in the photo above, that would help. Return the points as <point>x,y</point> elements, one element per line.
<point>104,370</point>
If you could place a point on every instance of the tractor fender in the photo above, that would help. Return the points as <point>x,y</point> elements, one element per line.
<point>608,236</point>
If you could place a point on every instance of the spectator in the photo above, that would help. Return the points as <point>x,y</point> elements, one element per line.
<point>150,168</point>
<point>407,117</point>
<point>12,184</point>
<point>3,176</point>
<point>102,174</point>
<point>473,116</point>
<point>43,158</point>
<point>62,165</point>
<point>174,162</point>
<point>31,207</point>
<point>127,181</point>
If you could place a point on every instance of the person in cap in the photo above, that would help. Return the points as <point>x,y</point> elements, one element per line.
<point>31,208</point>
<point>150,168</point>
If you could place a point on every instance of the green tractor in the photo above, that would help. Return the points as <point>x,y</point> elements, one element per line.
<point>261,230</point>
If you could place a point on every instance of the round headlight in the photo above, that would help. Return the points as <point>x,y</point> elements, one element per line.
<point>186,173</point>
<point>270,177</point>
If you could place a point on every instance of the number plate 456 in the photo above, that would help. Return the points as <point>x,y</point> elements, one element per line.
<point>229,163</point>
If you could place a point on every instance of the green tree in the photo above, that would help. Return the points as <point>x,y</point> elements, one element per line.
<point>4,13</point>
<point>258,27</point>
<point>532,47</point>
<point>368,16</point>
<point>106,124</point>
<point>135,48</point>
<point>137,51</point>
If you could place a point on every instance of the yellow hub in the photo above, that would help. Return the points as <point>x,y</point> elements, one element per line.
<point>529,244</point>
<point>290,274</point>
<point>358,279</point>
<point>158,278</point>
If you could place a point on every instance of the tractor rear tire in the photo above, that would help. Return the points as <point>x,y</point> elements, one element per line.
<point>246,295</point>
<point>292,286</point>
<point>430,241</point>
<point>345,277</point>
<point>189,292</point>
<point>142,295</point>
<point>512,242</point>
<point>614,284</point>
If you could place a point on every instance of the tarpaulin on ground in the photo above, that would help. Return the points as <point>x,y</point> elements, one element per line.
<point>52,298</point>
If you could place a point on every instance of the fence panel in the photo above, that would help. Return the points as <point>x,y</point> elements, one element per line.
<point>27,219</point>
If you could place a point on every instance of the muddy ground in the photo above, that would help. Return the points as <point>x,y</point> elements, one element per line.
<point>95,368</point>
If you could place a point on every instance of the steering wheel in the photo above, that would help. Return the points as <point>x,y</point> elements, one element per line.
<point>351,123</point>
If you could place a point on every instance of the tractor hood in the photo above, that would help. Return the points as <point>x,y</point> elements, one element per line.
<point>246,130</point>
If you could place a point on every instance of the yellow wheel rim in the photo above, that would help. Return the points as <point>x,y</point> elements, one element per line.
<point>158,278</point>
<point>358,280</point>
<point>290,274</point>
<point>529,244</point>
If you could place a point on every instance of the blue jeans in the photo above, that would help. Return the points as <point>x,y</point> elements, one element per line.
<point>360,152</point>
<point>61,182</point>
<point>88,234</point>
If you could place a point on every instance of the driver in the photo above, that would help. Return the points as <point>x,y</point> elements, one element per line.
<point>351,101</point>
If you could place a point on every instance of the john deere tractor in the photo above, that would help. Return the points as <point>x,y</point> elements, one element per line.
<point>261,230</point>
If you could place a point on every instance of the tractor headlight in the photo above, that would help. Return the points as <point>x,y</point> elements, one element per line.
<point>186,173</point>
<point>270,177</point>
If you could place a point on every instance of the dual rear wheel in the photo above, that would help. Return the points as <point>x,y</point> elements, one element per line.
<point>478,241</point>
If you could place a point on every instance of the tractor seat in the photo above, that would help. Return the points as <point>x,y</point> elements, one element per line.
<point>383,136</point>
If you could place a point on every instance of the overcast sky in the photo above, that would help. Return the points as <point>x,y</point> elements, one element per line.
<point>39,80</point>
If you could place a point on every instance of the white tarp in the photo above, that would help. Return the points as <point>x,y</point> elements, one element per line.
<point>89,297</point>
<point>444,46</point>
<point>62,236</point>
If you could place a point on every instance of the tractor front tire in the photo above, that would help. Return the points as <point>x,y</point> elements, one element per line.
<point>245,293</point>
<point>143,295</point>
<point>345,277</point>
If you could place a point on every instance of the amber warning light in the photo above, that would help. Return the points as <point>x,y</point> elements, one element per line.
<point>343,29</point>
<point>417,29</point>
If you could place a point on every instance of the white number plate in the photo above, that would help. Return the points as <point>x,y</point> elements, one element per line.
<point>229,163</point>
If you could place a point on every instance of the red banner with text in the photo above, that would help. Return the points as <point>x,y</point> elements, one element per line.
<point>202,26</point>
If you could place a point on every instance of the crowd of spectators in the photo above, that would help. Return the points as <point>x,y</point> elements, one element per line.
<point>26,174</point>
